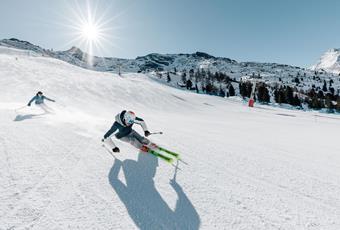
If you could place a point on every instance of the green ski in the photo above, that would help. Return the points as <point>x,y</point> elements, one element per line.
<point>157,154</point>
<point>169,152</point>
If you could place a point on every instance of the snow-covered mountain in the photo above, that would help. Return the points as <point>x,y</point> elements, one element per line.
<point>24,45</point>
<point>174,66</point>
<point>161,62</point>
<point>329,61</point>
<point>262,168</point>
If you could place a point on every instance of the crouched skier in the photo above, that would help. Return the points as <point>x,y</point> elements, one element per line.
<point>122,128</point>
<point>39,100</point>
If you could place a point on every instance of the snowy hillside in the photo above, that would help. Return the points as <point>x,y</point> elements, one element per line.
<point>330,62</point>
<point>260,168</point>
<point>271,73</point>
<point>163,62</point>
<point>315,89</point>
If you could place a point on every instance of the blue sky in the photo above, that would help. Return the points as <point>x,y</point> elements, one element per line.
<point>289,32</point>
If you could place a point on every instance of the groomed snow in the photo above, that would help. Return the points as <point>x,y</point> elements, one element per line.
<point>260,168</point>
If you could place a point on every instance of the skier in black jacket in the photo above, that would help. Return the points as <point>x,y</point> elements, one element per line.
<point>122,129</point>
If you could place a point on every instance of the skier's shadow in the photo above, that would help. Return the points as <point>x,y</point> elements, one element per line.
<point>27,116</point>
<point>144,204</point>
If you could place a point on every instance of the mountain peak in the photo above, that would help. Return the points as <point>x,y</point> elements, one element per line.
<point>203,55</point>
<point>329,61</point>
<point>334,50</point>
<point>21,44</point>
<point>74,49</point>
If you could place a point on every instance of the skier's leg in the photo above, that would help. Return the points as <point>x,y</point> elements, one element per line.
<point>48,109</point>
<point>139,140</point>
<point>143,144</point>
<point>144,141</point>
<point>131,140</point>
<point>136,140</point>
<point>109,142</point>
<point>43,107</point>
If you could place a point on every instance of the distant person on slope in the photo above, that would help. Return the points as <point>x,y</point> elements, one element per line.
<point>123,125</point>
<point>39,101</point>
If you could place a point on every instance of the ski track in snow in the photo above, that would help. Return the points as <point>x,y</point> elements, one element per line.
<point>248,168</point>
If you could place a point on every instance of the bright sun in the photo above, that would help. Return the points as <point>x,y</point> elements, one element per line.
<point>90,32</point>
<point>91,27</point>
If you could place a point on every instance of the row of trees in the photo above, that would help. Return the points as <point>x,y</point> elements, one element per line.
<point>286,95</point>
<point>314,98</point>
<point>220,84</point>
<point>203,81</point>
<point>262,92</point>
<point>319,100</point>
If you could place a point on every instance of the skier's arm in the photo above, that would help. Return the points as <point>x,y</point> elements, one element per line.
<point>48,99</point>
<point>115,169</point>
<point>113,177</point>
<point>185,207</point>
<point>141,122</point>
<point>110,142</point>
<point>111,130</point>
<point>33,99</point>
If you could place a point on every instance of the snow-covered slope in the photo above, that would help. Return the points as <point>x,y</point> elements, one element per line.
<point>161,62</point>
<point>329,61</point>
<point>272,73</point>
<point>261,168</point>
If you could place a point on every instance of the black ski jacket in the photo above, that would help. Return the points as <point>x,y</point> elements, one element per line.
<point>123,129</point>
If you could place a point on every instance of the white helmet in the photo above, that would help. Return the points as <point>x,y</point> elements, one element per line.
<point>129,117</point>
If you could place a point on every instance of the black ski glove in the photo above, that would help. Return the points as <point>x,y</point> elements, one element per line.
<point>147,133</point>
<point>28,104</point>
<point>116,150</point>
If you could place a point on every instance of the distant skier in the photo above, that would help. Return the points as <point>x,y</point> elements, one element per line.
<point>123,125</point>
<point>39,101</point>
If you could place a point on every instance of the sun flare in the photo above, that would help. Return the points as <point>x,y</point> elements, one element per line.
<point>90,32</point>
<point>92,28</point>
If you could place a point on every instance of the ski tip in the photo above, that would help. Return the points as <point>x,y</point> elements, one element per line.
<point>170,161</point>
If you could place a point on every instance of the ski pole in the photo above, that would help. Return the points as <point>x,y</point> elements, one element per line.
<point>156,133</point>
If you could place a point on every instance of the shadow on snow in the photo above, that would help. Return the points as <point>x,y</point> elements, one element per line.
<point>144,204</point>
<point>27,116</point>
